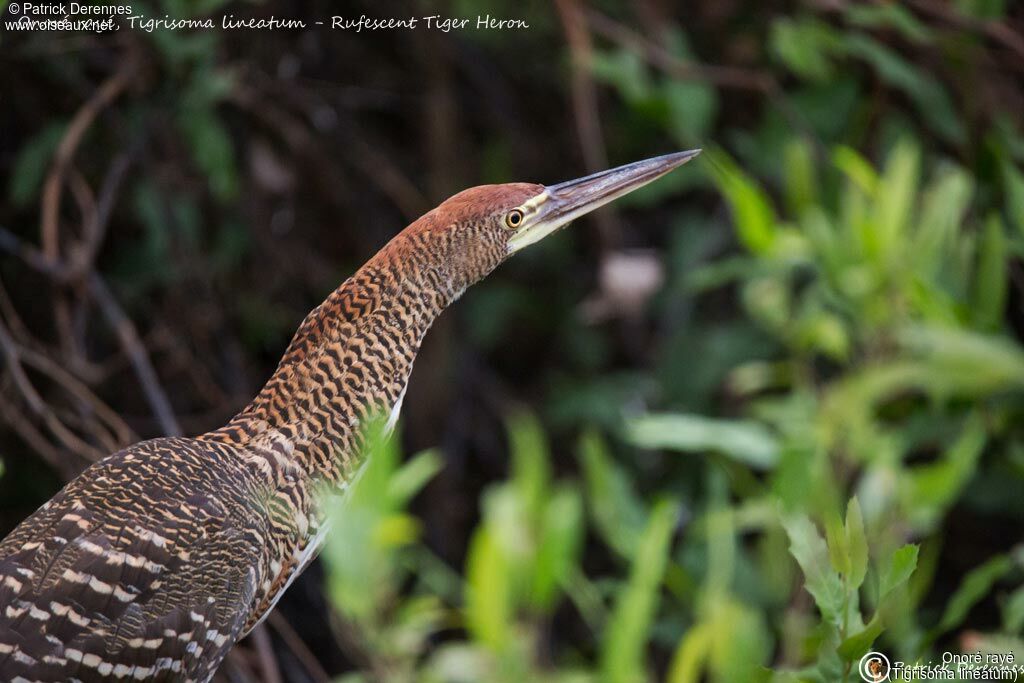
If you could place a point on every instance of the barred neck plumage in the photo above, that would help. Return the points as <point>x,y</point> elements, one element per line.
<point>348,362</point>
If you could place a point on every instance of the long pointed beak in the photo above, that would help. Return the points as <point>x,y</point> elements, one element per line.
<point>560,204</point>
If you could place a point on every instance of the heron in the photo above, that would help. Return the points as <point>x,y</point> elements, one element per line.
<point>156,559</point>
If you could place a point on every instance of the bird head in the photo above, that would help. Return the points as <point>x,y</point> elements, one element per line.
<point>484,225</point>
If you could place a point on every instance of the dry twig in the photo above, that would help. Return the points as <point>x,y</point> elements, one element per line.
<point>585,108</point>
<point>128,337</point>
<point>298,647</point>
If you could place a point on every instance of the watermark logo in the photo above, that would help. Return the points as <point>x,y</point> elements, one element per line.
<point>874,667</point>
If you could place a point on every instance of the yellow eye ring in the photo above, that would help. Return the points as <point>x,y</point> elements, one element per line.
<point>513,219</point>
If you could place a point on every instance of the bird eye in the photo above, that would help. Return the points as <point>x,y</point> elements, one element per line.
<point>514,218</point>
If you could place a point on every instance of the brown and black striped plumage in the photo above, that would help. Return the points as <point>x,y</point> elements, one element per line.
<point>155,560</point>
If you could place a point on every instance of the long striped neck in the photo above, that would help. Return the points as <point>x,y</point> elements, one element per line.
<point>348,362</point>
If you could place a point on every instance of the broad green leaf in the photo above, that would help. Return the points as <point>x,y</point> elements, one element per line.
<point>624,70</point>
<point>811,553</point>
<point>489,601</point>
<point>838,543</point>
<point>897,570</point>
<point>804,46</point>
<point>365,531</point>
<point>531,469</point>
<point>751,208</point>
<point>932,487</point>
<point>628,630</point>
<point>746,441</point>
<point>890,15</point>
<point>514,531</point>
<point>741,644</point>
<point>561,539</point>
<point>692,109</point>
<point>857,645</point>
<point>856,168</point>
<point>1013,612</point>
<point>396,530</point>
<point>720,530</point>
<point>693,650</point>
<point>1013,189</point>
<point>959,362</point>
<point>413,476</point>
<point>897,192</point>
<point>990,283</point>
<point>801,177</point>
<point>821,332</point>
<point>618,513</point>
<point>944,205</point>
<point>857,543</point>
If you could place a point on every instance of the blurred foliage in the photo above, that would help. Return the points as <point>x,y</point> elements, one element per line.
<point>804,446</point>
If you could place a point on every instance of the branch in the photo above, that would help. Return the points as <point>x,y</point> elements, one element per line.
<point>81,122</point>
<point>298,647</point>
<point>127,335</point>
<point>70,440</point>
<point>585,108</point>
<point>733,77</point>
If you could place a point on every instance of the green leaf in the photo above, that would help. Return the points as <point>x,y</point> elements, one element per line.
<point>982,9</point>
<point>929,97</point>
<point>838,543</point>
<point>628,630</point>
<point>857,543</point>
<point>856,646</point>
<point>531,469</point>
<point>1013,189</point>
<point>975,586</point>
<point>991,279</point>
<point>898,569</point>
<point>856,168</point>
<point>693,650</point>
<point>890,15</point>
<point>1013,612</point>
<point>801,176</point>
<point>740,644</point>
<point>805,47</point>
<point>558,548</point>
<point>213,152</point>
<point>964,363</point>
<point>413,476</point>
<point>896,194</point>
<point>692,109</point>
<point>618,513</point>
<point>624,70</point>
<point>488,592</point>
<point>944,205</point>
<point>745,441</point>
<point>32,162</point>
<point>811,553</point>
<point>751,208</point>
<point>366,531</point>
<point>933,487</point>
<point>396,530</point>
